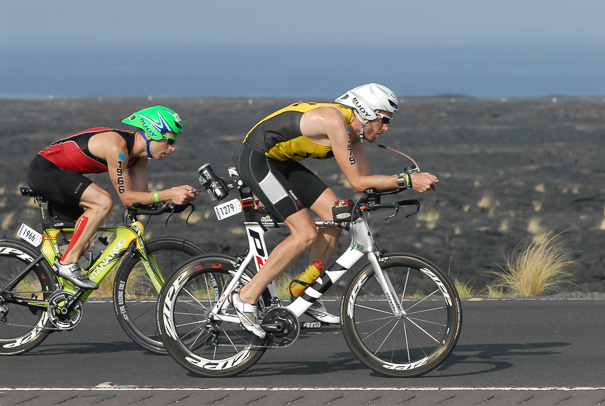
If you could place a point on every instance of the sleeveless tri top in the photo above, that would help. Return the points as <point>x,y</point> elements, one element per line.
<point>71,153</point>
<point>279,136</point>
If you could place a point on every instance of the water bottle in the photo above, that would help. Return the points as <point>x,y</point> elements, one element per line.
<point>214,185</point>
<point>305,279</point>
<point>92,254</point>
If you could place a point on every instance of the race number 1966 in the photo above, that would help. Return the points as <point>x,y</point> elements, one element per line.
<point>228,209</point>
<point>30,235</point>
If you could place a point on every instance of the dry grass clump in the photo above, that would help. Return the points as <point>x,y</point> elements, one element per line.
<point>465,289</point>
<point>531,269</point>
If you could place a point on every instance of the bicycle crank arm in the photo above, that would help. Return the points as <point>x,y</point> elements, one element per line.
<point>275,327</point>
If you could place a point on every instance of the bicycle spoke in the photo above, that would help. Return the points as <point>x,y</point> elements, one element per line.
<point>375,331</point>
<point>423,299</point>
<point>385,338</point>
<point>423,330</point>
<point>428,310</point>
<point>373,309</point>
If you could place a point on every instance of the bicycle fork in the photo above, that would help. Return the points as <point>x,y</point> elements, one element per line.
<point>363,244</point>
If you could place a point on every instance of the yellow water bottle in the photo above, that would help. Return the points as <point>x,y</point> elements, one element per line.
<point>305,279</point>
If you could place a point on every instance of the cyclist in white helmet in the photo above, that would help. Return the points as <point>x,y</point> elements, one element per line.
<point>269,164</point>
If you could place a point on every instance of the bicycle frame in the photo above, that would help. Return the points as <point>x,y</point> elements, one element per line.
<point>125,237</point>
<point>362,243</point>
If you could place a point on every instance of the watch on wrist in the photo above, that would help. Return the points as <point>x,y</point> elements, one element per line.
<point>401,181</point>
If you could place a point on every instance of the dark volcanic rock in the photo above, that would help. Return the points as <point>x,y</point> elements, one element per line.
<point>507,168</point>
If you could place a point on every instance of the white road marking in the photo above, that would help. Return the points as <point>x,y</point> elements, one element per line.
<point>279,389</point>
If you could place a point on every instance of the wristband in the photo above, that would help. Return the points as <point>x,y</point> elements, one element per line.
<point>155,197</point>
<point>408,181</point>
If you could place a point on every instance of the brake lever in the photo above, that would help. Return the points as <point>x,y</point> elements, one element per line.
<point>173,207</point>
<point>396,207</point>
<point>417,204</point>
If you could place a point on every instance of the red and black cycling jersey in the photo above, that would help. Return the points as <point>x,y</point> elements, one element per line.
<point>71,153</point>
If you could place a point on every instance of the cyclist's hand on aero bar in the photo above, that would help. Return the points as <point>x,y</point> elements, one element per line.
<point>183,194</point>
<point>423,181</point>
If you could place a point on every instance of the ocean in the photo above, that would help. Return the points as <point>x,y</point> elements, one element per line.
<point>483,71</point>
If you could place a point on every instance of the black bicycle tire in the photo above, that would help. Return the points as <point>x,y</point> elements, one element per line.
<point>22,252</point>
<point>451,328</point>
<point>127,320</point>
<point>175,346</point>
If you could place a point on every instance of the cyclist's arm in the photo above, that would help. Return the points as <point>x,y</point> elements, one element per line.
<point>351,159</point>
<point>138,176</point>
<point>131,185</point>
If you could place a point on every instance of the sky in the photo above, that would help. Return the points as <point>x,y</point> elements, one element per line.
<point>286,49</point>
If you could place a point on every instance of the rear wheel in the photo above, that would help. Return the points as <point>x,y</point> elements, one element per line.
<point>134,296</point>
<point>23,327</point>
<point>199,343</point>
<point>414,342</point>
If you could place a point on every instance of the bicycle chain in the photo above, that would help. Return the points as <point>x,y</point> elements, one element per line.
<point>41,328</point>
<point>286,337</point>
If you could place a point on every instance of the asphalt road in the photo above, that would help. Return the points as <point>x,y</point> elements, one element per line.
<point>530,352</point>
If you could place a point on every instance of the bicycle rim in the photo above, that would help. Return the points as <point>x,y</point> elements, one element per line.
<point>205,347</point>
<point>24,326</point>
<point>417,341</point>
<point>135,297</point>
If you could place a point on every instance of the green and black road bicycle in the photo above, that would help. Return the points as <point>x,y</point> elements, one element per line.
<point>35,302</point>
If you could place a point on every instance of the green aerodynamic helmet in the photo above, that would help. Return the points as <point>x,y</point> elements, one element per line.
<point>155,121</point>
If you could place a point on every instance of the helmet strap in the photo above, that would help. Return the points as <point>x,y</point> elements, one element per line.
<point>147,141</point>
<point>363,124</point>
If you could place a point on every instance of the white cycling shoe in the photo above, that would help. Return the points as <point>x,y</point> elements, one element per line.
<point>73,273</point>
<point>248,315</point>
<point>319,312</point>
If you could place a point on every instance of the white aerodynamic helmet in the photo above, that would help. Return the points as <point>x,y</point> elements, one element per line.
<point>368,99</point>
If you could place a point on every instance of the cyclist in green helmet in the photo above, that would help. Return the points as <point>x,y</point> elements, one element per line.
<point>56,173</point>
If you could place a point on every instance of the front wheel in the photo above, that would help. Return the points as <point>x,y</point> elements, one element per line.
<point>418,339</point>
<point>193,336</point>
<point>23,326</point>
<point>134,296</point>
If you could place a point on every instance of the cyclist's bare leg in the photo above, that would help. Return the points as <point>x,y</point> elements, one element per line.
<point>327,237</point>
<point>98,204</point>
<point>302,235</point>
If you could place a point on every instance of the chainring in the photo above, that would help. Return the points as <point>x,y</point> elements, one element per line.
<point>282,327</point>
<point>62,317</point>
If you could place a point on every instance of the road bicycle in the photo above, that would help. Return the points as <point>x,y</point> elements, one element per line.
<point>35,302</point>
<point>400,314</point>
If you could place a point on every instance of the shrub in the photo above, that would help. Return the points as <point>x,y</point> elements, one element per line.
<point>535,267</point>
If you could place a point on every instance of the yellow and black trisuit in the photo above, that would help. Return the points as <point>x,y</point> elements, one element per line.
<point>268,161</point>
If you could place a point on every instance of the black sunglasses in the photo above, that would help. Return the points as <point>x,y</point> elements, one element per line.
<point>169,140</point>
<point>384,119</point>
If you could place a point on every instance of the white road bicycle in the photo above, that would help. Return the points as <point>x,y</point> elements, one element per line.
<point>400,315</point>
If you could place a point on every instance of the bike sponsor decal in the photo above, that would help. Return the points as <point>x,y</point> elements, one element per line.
<point>16,252</point>
<point>354,293</point>
<point>169,303</point>
<point>219,365</point>
<point>121,306</point>
<point>406,367</point>
<point>31,335</point>
<point>118,247</point>
<point>259,246</point>
<point>310,324</point>
<point>30,235</point>
<point>446,296</point>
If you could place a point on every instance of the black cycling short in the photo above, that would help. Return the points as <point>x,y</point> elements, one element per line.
<point>284,188</point>
<point>63,189</point>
